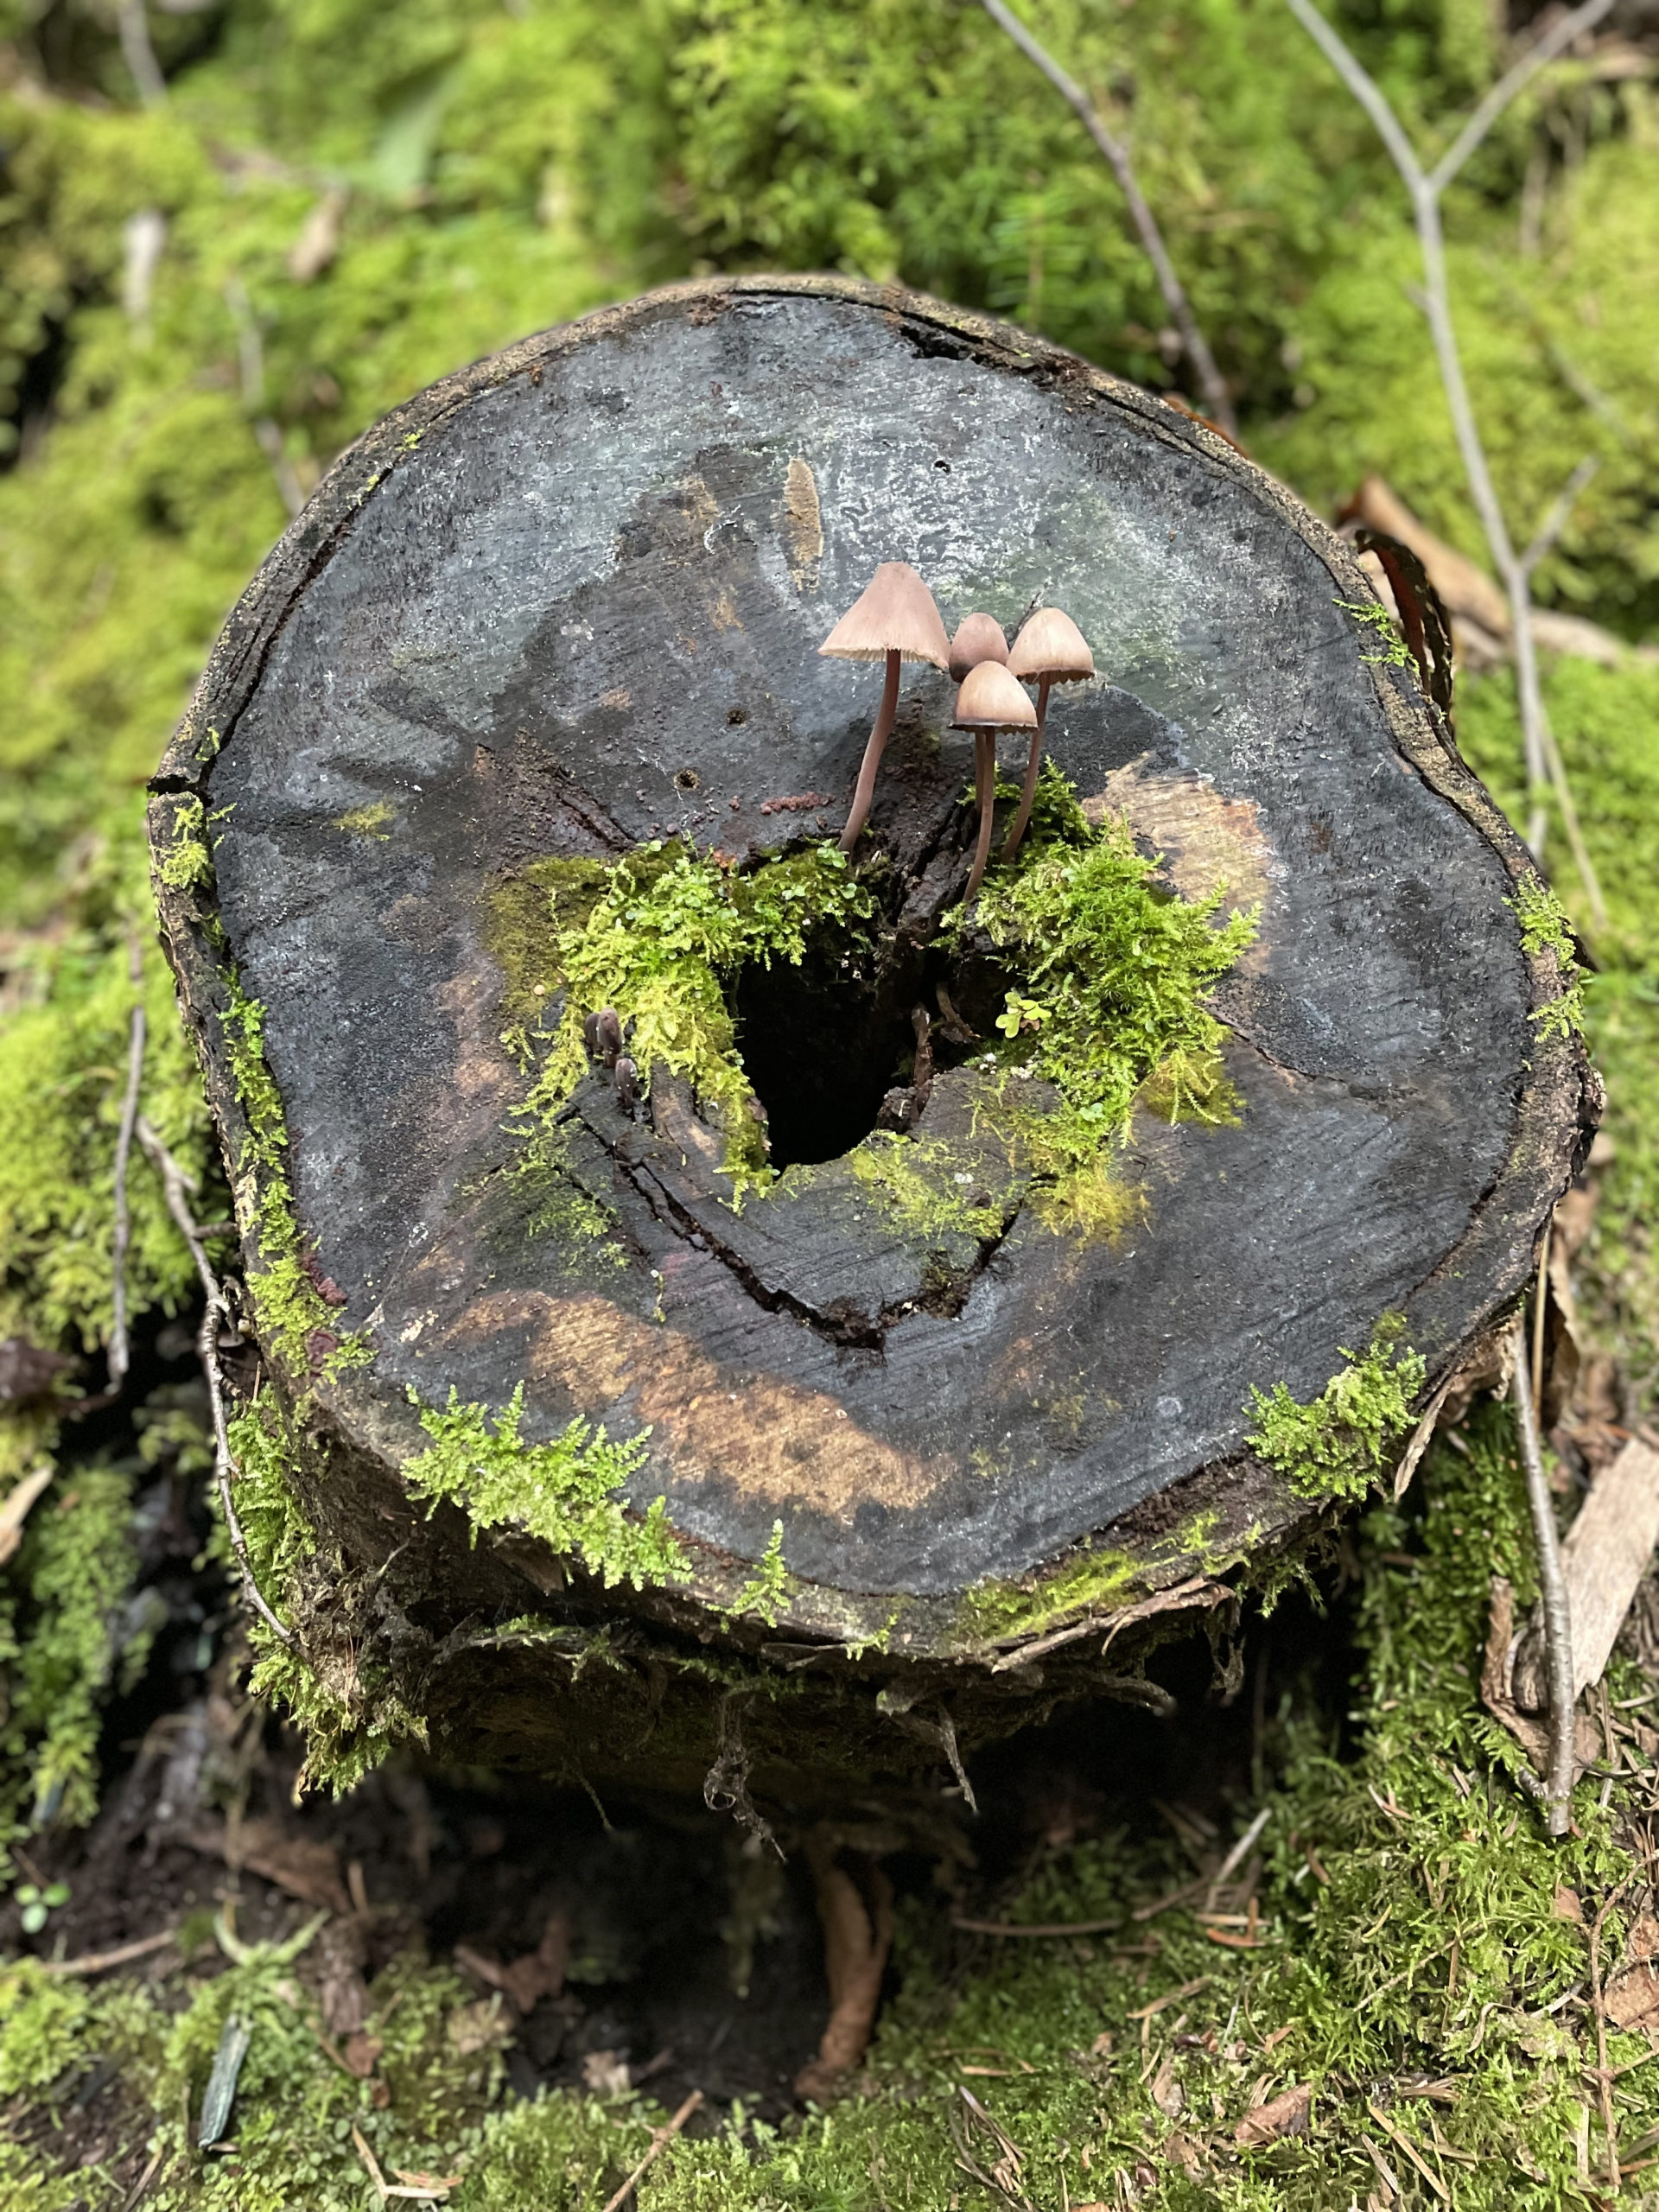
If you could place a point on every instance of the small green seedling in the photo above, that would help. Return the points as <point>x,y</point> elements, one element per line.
<point>37,1903</point>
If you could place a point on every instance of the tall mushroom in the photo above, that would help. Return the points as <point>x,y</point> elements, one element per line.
<point>892,620</point>
<point>1050,649</point>
<point>991,700</point>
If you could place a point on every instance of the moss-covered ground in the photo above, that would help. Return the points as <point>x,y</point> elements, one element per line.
<point>202,298</point>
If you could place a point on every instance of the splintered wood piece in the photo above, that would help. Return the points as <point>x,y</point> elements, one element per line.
<point>1605,1553</point>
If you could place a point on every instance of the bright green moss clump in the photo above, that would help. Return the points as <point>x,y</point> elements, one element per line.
<point>1110,1008</point>
<point>561,1492</point>
<point>668,930</point>
<point>1337,1445</point>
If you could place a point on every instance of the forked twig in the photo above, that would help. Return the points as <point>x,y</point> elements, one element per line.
<point>1426,187</point>
<point>1217,399</point>
<point>175,1183</point>
<point>1552,1582</point>
<point>660,2137</point>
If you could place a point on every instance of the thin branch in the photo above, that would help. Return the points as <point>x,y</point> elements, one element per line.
<point>1543,759</point>
<point>138,53</point>
<point>120,1348</point>
<point>660,2137</point>
<point>1560,507</point>
<point>175,1182</point>
<point>1558,1610</point>
<point>1515,79</point>
<point>251,369</point>
<point>1217,399</point>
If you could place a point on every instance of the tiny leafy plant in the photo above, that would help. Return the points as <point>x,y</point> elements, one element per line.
<point>1394,653</point>
<point>766,1589</point>
<point>1335,1445</point>
<point>37,1903</point>
<point>563,1491</point>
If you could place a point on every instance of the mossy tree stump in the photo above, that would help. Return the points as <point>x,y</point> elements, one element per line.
<point>906,1417</point>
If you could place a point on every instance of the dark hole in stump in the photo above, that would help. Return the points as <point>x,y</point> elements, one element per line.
<point>822,1044</point>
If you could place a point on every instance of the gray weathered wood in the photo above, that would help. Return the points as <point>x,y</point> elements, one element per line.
<point>570,599</point>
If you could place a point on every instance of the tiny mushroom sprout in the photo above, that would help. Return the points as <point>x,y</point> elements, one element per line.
<point>989,700</point>
<point>1050,649</point>
<point>892,620</point>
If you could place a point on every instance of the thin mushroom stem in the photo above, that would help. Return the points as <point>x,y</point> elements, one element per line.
<point>985,791</point>
<point>865,790</point>
<point>1011,844</point>
<point>1558,1610</point>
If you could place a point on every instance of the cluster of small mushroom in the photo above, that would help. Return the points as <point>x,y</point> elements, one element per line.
<point>895,620</point>
<point>601,1033</point>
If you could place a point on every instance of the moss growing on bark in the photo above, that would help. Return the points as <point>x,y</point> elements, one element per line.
<point>1337,1445</point>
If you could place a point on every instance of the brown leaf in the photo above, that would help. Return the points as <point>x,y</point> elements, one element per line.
<point>538,1973</point>
<point>308,1869</point>
<point>1632,2001</point>
<point>361,2051</point>
<point>1285,2114</point>
<point>15,1511</point>
<point>1567,1905</point>
<point>1166,2092</point>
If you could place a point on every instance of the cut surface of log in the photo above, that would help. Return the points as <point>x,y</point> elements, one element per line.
<point>570,602</point>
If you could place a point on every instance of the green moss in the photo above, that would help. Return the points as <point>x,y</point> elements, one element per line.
<point>186,864</point>
<point>68,1639</point>
<point>1546,926</point>
<point>1393,652</point>
<point>1109,1007</point>
<point>368,821</point>
<point>929,1187</point>
<point>1337,1446</point>
<point>997,1611</point>
<point>293,1316</point>
<point>562,1491</point>
<point>767,1591</point>
<point>660,942</point>
<point>43,2023</point>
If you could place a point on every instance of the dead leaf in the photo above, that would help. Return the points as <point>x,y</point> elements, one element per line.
<point>1567,1905</point>
<point>434,2182</point>
<point>1286,2115</point>
<point>307,1869</point>
<point>360,2052</point>
<point>1186,2152</point>
<point>15,1511</point>
<point>538,1973</point>
<point>1166,2092</point>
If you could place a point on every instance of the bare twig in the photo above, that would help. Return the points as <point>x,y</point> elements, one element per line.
<point>175,1182</point>
<point>1558,1610</point>
<point>1540,1305</point>
<point>1217,398</point>
<point>250,368</point>
<point>1560,507</point>
<point>1036,1927</point>
<point>122,1954</point>
<point>1543,759</point>
<point>138,53</point>
<point>660,2137</point>
<point>120,1350</point>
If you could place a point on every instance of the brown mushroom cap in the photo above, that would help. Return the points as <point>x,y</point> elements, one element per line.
<point>979,638</point>
<point>894,613</point>
<point>991,699</point>
<point>1052,645</point>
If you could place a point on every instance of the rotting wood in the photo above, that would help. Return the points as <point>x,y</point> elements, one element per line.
<point>973,1443</point>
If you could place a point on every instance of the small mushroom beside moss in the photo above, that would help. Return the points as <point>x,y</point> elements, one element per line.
<point>894,619</point>
<point>991,700</point>
<point>1049,650</point>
